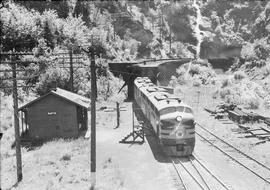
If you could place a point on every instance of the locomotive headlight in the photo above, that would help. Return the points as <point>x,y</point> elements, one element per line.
<point>180,133</point>
<point>179,118</point>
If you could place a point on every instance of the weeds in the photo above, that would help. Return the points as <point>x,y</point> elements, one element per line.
<point>66,157</point>
<point>239,75</point>
<point>252,103</point>
<point>199,71</point>
<point>226,82</point>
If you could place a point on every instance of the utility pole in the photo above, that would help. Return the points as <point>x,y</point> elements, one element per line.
<point>16,124</point>
<point>71,70</point>
<point>93,119</point>
<point>95,49</point>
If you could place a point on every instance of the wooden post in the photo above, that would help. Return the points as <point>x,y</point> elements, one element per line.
<point>22,120</point>
<point>113,30</point>
<point>198,100</point>
<point>118,114</point>
<point>170,40</point>
<point>160,28</point>
<point>16,125</point>
<point>93,120</point>
<point>85,119</point>
<point>133,128</point>
<point>71,70</point>
<point>1,134</point>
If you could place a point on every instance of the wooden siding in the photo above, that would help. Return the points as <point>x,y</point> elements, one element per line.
<point>51,117</point>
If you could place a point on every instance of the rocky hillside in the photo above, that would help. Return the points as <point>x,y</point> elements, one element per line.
<point>237,31</point>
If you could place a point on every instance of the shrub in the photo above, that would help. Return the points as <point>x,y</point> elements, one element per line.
<point>181,80</point>
<point>267,102</point>
<point>197,82</point>
<point>181,71</point>
<point>213,81</point>
<point>66,157</point>
<point>266,70</point>
<point>252,103</point>
<point>226,82</point>
<point>225,92</point>
<point>239,75</point>
<point>194,69</point>
<point>215,94</point>
<point>173,82</point>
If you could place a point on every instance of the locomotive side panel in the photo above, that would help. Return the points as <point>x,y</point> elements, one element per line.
<point>172,120</point>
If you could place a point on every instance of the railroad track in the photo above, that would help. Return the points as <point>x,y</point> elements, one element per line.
<point>193,174</point>
<point>251,164</point>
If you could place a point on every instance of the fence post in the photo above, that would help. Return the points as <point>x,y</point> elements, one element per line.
<point>118,114</point>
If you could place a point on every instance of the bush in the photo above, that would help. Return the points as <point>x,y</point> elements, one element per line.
<point>252,103</point>
<point>213,81</point>
<point>66,157</point>
<point>239,75</point>
<point>266,70</point>
<point>173,82</point>
<point>196,72</point>
<point>197,82</point>
<point>225,92</point>
<point>226,82</point>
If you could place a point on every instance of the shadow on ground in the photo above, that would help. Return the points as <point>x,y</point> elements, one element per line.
<point>151,137</point>
<point>32,144</point>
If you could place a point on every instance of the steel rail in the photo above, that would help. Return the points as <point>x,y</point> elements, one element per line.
<point>179,175</point>
<point>253,159</point>
<point>199,173</point>
<point>191,175</point>
<point>211,173</point>
<point>258,175</point>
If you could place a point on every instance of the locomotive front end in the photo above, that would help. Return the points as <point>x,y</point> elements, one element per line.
<point>177,130</point>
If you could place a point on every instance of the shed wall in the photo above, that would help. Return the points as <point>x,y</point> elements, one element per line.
<point>52,116</point>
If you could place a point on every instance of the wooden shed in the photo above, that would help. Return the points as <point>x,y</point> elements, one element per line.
<point>59,113</point>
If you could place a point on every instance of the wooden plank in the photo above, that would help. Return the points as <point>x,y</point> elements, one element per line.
<point>243,127</point>
<point>253,129</point>
<point>265,129</point>
<point>209,110</point>
<point>261,142</point>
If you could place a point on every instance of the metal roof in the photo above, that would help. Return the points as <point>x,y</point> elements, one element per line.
<point>67,95</point>
<point>160,99</point>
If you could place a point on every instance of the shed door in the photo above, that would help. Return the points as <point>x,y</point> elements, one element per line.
<point>53,124</point>
<point>68,123</point>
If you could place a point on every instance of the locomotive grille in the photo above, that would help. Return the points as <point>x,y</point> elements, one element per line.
<point>188,122</point>
<point>167,125</point>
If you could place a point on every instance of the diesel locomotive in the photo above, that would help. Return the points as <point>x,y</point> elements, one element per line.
<point>171,119</point>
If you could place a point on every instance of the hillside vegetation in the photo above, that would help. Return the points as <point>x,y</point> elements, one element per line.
<point>125,31</point>
<point>131,30</point>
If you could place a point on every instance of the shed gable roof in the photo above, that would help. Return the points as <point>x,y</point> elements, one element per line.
<point>69,96</point>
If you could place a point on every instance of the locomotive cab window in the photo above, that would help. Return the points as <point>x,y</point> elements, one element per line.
<point>188,110</point>
<point>167,110</point>
<point>180,109</point>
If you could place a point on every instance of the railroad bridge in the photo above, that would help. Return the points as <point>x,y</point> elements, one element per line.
<point>159,71</point>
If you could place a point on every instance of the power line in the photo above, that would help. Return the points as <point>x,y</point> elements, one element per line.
<point>18,70</point>
<point>20,86</point>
